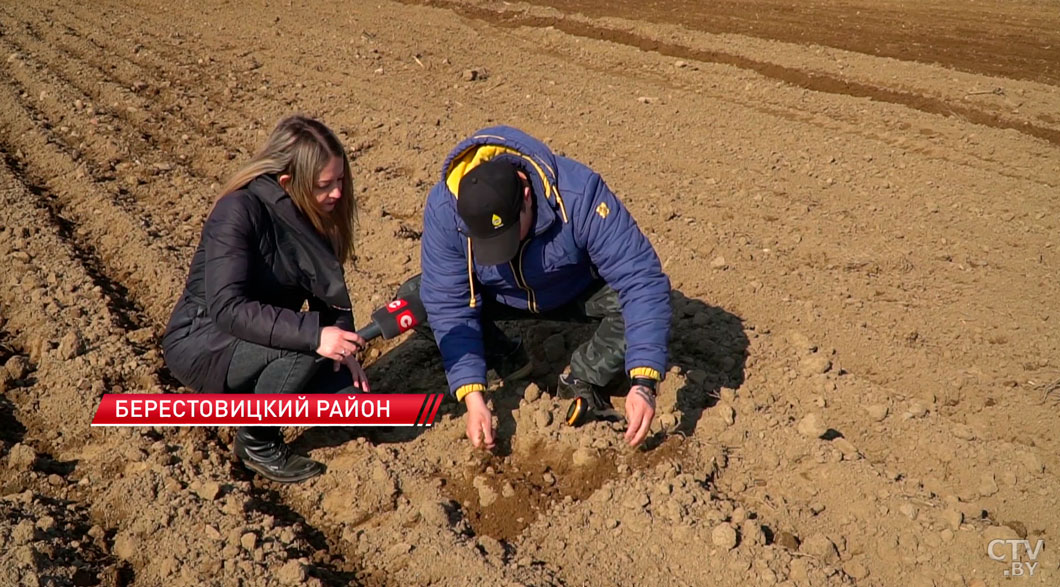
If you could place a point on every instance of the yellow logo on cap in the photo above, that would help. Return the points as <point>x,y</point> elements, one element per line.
<point>497,222</point>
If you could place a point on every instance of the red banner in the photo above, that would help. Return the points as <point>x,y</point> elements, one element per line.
<point>225,409</point>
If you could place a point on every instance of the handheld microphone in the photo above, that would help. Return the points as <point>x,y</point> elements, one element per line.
<point>395,318</point>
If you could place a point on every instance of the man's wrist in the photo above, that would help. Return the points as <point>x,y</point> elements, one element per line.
<point>463,391</point>
<point>646,394</point>
<point>646,372</point>
<point>645,382</point>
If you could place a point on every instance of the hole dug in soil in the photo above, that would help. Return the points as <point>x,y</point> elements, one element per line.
<point>501,496</point>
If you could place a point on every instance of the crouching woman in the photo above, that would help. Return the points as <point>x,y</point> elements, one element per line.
<point>274,243</point>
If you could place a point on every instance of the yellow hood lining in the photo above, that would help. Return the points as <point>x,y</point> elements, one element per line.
<point>478,154</point>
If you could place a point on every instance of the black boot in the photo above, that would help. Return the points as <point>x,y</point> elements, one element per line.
<point>590,402</point>
<point>512,363</point>
<point>570,387</point>
<point>263,451</point>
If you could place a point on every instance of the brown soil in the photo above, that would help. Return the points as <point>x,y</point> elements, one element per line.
<point>855,201</point>
<point>996,37</point>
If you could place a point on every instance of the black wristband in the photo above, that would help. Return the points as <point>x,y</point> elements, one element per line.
<point>644,381</point>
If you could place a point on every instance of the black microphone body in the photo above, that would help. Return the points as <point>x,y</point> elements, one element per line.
<point>395,318</point>
<point>369,332</point>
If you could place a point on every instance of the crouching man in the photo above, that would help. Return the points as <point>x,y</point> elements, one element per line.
<point>513,231</point>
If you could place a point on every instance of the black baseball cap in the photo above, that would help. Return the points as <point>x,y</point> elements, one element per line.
<point>489,202</point>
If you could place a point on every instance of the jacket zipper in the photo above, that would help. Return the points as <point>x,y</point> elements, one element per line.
<point>520,280</point>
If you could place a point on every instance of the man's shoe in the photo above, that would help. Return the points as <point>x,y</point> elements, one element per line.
<point>570,387</point>
<point>271,458</point>
<point>512,366</point>
<point>590,402</point>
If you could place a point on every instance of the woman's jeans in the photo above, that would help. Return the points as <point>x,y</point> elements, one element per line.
<point>260,369</point>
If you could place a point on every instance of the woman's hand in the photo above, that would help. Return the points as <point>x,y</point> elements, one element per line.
<point>338,344</point>
<point>360,378</point>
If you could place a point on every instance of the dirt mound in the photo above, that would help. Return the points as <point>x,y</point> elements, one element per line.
<point>862,244</point>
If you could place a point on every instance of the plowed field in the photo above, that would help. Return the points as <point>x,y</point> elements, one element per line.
<point>857,203</point>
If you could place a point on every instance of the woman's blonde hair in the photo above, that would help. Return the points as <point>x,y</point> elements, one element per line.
<point>301,147</point>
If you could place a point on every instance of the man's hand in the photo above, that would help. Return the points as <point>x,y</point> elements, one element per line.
<point>479,421</point>
<point>640,409</point>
